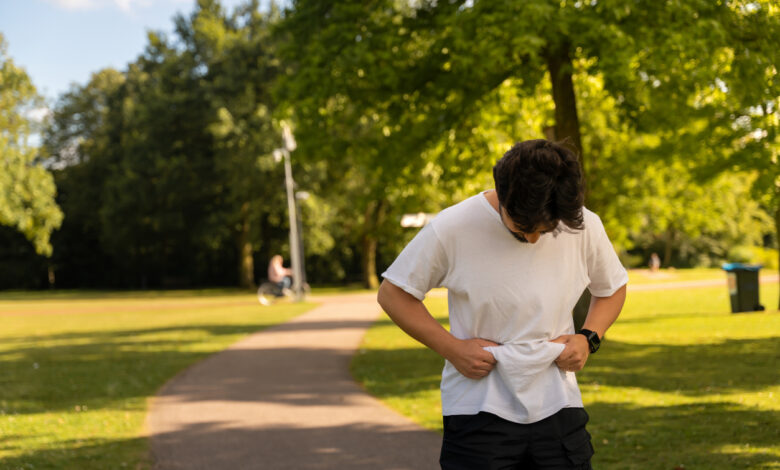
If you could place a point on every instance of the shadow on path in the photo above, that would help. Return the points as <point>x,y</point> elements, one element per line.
<point>222,445</point>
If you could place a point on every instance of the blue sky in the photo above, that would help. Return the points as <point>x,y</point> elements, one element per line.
<point>59,42</point>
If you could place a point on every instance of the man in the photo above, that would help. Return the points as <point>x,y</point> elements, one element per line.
<point>515,260</point>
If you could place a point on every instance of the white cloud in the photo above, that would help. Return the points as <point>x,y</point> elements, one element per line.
<point>38,114</point>
<point>75,4</point>
<point>127,6</point>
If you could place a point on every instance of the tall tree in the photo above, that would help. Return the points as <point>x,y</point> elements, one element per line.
<point>235,53</point>
<point>82,141</point>
<point>27,190</point>
<point>386,79</point>
<point>182,141</point>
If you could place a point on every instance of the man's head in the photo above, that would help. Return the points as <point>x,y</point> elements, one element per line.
<point>539,184</point>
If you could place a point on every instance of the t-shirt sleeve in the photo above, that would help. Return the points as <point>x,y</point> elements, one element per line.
<point>605,271</point>
<point>421,266</point>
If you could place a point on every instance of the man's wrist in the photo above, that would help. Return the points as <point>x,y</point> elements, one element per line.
<point>448,346</point>
<point>592,338</point>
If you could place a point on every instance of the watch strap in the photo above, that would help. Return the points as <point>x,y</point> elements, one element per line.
<point>593,339</point>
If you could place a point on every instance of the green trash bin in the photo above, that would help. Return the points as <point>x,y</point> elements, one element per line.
<point>743,287</point>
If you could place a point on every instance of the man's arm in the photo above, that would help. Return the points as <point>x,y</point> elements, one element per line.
<point>602,314</point>
<point>411,316</point>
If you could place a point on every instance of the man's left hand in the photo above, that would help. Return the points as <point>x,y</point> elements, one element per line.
<point>576,353</point>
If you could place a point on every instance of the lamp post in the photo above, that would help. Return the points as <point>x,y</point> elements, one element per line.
<point>295,239</point>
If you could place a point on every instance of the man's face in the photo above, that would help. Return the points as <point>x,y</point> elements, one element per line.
<point>521,236</point>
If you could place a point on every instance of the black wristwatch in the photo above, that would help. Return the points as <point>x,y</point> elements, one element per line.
<point>593,339</point>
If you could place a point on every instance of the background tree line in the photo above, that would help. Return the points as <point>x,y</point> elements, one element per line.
<point>164,172</point>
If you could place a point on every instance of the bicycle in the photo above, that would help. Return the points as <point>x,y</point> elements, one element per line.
<point>271,292</point>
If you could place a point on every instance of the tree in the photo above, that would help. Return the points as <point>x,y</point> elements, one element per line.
<point>237,56</point>
<point>82,140</point>
<point>27,189</point>
<point>387,80</point>
<point>175,153</point>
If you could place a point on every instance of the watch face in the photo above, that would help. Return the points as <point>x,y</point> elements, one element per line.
<point>593,340</point>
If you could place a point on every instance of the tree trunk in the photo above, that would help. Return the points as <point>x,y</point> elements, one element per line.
<point>246,264</point>
<point>370,279</point>
<point>374,216</point>
<point>567,123</point>
<point>669,246</point>
<point>567,129</point>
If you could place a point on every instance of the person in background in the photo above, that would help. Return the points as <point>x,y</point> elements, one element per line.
<point>278,274</point>
<point>655,263</point>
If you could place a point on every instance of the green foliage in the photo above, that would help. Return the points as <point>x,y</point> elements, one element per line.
<point>406,99</point>
<point>766,257</point>
<point>403,107</point>
<point>27,189</point>
<point>166,165</point>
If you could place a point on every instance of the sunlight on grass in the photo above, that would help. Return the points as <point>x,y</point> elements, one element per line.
<point>679,381</point>
<point>76,373</point>
<point>644,276</point>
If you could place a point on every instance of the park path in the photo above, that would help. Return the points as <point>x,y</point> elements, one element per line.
<point>764,279</point>
<point>284,399</point>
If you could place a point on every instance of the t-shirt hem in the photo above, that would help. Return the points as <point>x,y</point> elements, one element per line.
<point>608,292</point>
<point>419,295</point>
<point>502,413</point>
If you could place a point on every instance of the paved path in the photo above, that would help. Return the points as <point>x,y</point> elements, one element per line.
<point>284,399</point>
<point>765,279</point>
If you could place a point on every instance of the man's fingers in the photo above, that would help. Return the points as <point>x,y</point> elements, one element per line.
<point>563,339</point>
<point>565,354</point>
<point>486,362</point>
<point>486,356</point>
<point>489,358</point>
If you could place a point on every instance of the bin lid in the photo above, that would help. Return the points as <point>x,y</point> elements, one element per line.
<point>741,267</point>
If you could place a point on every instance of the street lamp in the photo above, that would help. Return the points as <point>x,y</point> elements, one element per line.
<point>296,250</point>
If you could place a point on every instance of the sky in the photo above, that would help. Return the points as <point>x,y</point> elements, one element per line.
<point>60,42</point>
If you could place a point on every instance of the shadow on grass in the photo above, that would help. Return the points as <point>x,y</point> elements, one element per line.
<point>84,454</point>
<point>730,366</point>
<point>701,435</point>
<point>100,368</point>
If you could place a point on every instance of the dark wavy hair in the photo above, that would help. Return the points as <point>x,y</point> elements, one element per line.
<point>539,183</point>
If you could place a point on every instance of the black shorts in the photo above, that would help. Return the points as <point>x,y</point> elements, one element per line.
<point>486,442</point>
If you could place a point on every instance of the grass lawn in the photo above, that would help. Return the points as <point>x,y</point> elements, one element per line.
<point>678,383</point>
<point>644,276</point>
<point>76,368</point>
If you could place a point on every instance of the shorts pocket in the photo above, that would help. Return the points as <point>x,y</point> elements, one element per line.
<point>578,447</point>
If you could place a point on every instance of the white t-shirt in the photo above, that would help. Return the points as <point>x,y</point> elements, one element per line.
<point>520,295</point>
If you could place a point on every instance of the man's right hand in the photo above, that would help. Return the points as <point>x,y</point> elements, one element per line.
<point>470,359</point>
